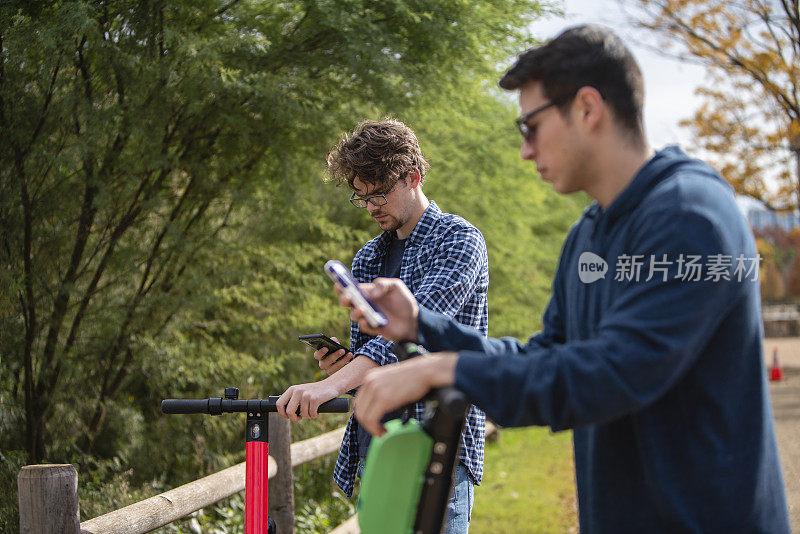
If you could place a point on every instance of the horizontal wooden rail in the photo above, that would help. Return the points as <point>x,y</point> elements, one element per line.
<point>317,447</point>
<point>174,504</point>
<point>348,527</point>
<point>165,508</point>
<point>36,488</point>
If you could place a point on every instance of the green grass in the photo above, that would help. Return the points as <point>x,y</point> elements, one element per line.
<point>528,484</point>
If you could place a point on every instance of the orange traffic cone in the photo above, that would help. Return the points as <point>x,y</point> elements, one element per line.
<point>775,372</point>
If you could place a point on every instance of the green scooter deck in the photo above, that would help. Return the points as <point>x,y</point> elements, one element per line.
<point>394,473</point>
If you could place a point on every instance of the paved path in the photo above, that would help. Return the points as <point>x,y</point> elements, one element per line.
<point>788,351</point>
<point>786,410</point>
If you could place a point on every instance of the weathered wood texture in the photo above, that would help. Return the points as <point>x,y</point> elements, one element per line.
<point>281,488</point>
<point>166,507</point>
<point>317,447</point>
<point>174,504</point>
<point>48,499</point>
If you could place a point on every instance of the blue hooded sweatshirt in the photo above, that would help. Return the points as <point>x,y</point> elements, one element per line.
<point>651,351</point>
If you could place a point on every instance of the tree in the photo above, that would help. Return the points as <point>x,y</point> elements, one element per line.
<point>750,120</point>
<point>129,130</point>
<point>162,221</point>
<point>476,172</point>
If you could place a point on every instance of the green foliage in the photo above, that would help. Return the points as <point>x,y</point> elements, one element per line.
<point>476,172</point>
<point>10,464</point>
<point>164,222</point>
<point>320,518</point>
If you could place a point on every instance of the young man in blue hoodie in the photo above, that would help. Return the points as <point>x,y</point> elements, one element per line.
<point>651,342</point>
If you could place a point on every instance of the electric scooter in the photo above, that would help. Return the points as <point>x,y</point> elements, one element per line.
<point>256,494</point>
<point>408,475</point>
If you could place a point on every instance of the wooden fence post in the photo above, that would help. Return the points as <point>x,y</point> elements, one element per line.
<point>281,486</point>
<point>48,499</point>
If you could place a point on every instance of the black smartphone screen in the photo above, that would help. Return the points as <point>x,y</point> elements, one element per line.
<point>317,341</point>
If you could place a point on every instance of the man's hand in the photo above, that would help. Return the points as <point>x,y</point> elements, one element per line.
<point>307,397</point>
<point>393,386</point>
<point>397,303</point>
<point>328,362</point>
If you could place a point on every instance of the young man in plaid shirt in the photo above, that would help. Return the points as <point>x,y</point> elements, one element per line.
<point>441,257</point>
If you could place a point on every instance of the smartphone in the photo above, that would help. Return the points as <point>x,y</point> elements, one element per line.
<point>341,275</point>
<point>317,341</point>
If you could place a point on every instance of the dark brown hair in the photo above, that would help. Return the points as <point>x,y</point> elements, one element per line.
<point>376,152</point>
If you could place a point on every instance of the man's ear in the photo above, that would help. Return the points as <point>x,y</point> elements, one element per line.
<point>590,106</point>
<point>414,177</point>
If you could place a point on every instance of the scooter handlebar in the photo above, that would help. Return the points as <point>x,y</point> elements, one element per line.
<point>217,405</point>
<point>172,406</point>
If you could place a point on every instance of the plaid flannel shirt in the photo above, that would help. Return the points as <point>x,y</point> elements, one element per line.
<point>446,266</point>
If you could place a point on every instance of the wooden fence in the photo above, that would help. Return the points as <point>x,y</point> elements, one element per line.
<point>48,494</point>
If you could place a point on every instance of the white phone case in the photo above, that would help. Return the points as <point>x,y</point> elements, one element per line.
<point>341,275</point>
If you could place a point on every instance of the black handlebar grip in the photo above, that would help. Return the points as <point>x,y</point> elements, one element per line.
<point>337,405</point>
<point>216,405</point>
<point>184,406</point>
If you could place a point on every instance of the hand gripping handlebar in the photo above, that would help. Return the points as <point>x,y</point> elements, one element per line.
<point>218,405</point>
<point>257,520</point>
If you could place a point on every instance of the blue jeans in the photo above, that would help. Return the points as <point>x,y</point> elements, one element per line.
<point>459,506</point>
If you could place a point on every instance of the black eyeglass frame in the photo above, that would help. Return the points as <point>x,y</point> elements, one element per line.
<point>354,199</point>
<point>522,121</point>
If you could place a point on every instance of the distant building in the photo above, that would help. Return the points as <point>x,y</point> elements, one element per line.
<point>761,216</point>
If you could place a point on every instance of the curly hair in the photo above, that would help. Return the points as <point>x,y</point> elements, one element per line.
<point>376,152</point>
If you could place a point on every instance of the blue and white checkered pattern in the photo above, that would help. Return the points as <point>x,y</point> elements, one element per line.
<point>446,266</point>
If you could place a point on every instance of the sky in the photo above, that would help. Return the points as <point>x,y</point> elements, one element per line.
<point>669,83</point>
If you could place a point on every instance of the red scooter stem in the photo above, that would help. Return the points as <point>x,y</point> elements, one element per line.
<point>256,492</point>
<point>257,520</point>
<point>256,482</point>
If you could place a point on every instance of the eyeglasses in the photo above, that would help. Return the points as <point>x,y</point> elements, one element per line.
<point>375,200</point>
<point>529,132</point>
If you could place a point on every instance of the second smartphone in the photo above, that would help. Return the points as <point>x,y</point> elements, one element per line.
<point>317,341</point>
